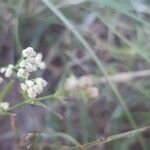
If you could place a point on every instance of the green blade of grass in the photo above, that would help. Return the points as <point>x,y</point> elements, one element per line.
<point>64,136</point>
<point>16,27</point>
<point>6,90</point>
<point>125,40</point>
<point>126,11</point>
<point>132,45</point>
<point>69,138</point>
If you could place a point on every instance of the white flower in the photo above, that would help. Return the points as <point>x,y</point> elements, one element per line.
<point>82,85</point>
<point>29,52</point>
<point>93,92</point>
<point>8,70</point>
<point>38,57</point>
<point>26,64</point>
<point>31,62</point>
<point>3,70</point>
<point>71,83</point>
<point>4,106</point>
<point>29,83</point>
<point>41,81</point>
<point>33,87</point>
<point>42,65</point>
<point>39,61</point>
<point>40,84</point>
<point>29,67</point>
<point>38,89</point>
<point>22,73</point>
<point>31,93</point>
<point>24,87</point>
<point>22,64</point>
<point>85,81</point>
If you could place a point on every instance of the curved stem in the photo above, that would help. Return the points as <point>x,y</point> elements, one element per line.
<point>17,105</point>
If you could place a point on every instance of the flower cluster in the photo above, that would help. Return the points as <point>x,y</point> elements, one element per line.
<point>4,106</point>
<point>7,70</point>
<point>82,85</point>
<point>30,62</point>
<point>33,87</point>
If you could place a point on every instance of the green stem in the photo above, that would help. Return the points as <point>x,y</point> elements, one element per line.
<point>51,97</point>
<point>30,101</point>
<point>6,90</point>
<point>17,105</point>
<point>83,118</point>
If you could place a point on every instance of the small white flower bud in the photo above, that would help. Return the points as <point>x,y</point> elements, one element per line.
<point>38,57</point>
<point>4,106</point>
<point>31,93</point>
<point>29,52</point>
<point>42,65</point>
<point>22,64</point>
<point>39,61</point>
<point>10,66</point>
<point>31,60</point>
<point>85,81</point>
<point>93,92</point>
<point>29,83</point>
<point>23,87</point>
<point>41,81</point>
<point>20,72</point>
<point>3,70</point>
<point>9,71</point>
<point>29,67</point>
<point>71,83</point>
<point>38,89</point>
<point>23,73</point>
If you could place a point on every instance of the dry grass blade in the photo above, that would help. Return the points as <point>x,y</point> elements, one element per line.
<point>70,2</point>
<point>115,137</point>
<point>125,76</point>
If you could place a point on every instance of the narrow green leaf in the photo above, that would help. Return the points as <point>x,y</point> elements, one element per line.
<point>69,138</point>
<point>49,109</point>
<point>6,90</point>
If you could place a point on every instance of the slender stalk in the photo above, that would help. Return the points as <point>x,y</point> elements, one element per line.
<point>83,118</point>
<point>6,90</point>
<point>115,137</point>
<point>30,101</point>
<point>50,97</point>
<point>14,129</point>
<point>21,104</point>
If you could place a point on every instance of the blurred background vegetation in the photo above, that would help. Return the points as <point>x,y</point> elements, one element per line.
<point>103,38</point>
